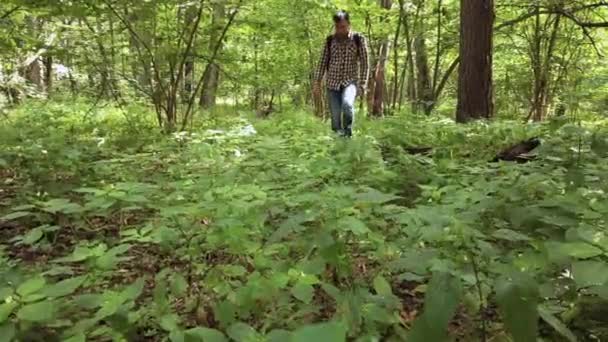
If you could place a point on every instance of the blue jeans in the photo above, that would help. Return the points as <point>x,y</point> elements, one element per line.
<point>342,102</point>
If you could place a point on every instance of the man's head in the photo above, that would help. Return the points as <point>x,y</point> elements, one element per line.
<point>342,23</point>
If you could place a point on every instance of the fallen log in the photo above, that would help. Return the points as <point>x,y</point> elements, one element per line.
<point>519,152</point>
<point>418,150</point>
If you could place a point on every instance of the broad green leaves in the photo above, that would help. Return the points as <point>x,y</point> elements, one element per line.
<point>518,299</point>
<point>31,286</point>
<point>6,309</point>
<point>331,331</point>
<point>38,312</point>
<point>302,237</point>
<point>303,292</point>
<point>590,273</point>
<point>441,300</point>
<point>556,324</point>
<point>204,335</point>
<point>64,287</point>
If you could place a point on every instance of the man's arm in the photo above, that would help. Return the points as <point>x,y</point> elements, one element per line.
<point>363,64</point>
<point>320,71</point>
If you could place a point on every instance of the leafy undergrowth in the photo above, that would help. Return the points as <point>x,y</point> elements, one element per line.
<point>279,231</point>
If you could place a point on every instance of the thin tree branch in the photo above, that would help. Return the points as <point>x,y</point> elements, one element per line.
<point>211,61</point>
<point>10,12</point>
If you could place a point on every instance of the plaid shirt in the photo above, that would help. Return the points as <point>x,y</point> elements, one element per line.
<point>341,64</point>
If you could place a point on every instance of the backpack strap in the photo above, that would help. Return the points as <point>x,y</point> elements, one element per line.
<point>357,38</point>
<point>329,40</point>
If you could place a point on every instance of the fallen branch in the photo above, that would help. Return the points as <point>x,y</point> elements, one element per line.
<point>518,152</point>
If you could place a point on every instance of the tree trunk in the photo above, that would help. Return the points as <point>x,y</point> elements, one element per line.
<point>33,74</point>
<point>396,78</point>
<point>190,16</point>
<point>48,74</point>
<point>212,74</point>
<point>411,78</point>
<point>425,92</point>
<point>542,66</point>
<point>379,75</point>
<point>475,98</point>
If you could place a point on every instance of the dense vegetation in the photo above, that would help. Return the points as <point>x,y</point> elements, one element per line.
<point>167,175</point>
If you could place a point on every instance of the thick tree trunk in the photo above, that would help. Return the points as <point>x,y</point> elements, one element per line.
<point>475,98</point>
<point>379,75</point>
<point>212,75</point>
<point>425,92</point>
<point>33,74</point>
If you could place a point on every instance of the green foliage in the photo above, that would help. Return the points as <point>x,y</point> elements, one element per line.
<point>299,235</point>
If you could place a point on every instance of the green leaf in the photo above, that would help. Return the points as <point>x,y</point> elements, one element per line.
<point>179,285</point>
<point>109,259</point>
<point>517,299</point>
<point>6,310</point>
<point>33,236</point>
<point>590,273</point>
<point>204,335</point>
<point>558,325</point>
<point>225,313</point>
<point>111,303</point>
<point>599,145</point>
<point>353,225</point>
<point>133,291</point>
<point>15,215</point>
<point>382,286</point>
<point>34,297</point>
<point>169,322</point>
<point>30,286</point>
<point>80,337</point>
<point>177,336</point>
<point>5,292</point>
<point>241,332</point>
<point>279,336</point>
<point>64,287</point>
<point>303,292</point>
<point>510,235</point>
<point>80,253</point>
<point>333,331</point>
<point>62,205</point>
<point>440,303</point>
<point>7,332</point>
<point>373,196</point>
<point>37,312</point>
<point>580,250</point>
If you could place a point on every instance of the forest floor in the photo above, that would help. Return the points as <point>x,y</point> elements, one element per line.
<point>275,230</point>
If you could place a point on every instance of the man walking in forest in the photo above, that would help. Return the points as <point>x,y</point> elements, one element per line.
<point>344,62</point>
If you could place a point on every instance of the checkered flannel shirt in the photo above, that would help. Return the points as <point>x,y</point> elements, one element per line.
<point>345,63</point>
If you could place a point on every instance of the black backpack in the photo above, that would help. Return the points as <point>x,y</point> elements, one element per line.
<point>330,38</point>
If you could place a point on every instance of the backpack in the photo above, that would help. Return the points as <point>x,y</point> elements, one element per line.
<point>330,38</point>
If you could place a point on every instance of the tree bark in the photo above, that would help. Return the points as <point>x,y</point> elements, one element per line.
<point>379,75</point>
<point>475,91</point>
<point>425,92</point>
<point>396,78</point>
<point>212,74</point>
<point>33,74</point>
<point>48,74</point>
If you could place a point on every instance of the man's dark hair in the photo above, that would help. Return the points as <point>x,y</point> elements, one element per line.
<point>341,15</point>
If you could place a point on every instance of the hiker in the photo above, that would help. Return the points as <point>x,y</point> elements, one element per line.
<point>344,62</point>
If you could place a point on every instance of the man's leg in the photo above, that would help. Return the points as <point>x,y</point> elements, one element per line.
<point>348,107</point>
<point>334,98</point>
